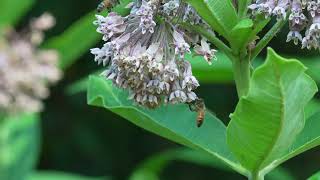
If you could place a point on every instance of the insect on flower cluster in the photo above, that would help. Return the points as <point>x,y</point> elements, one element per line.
<point>145,51</point>
<point>26,71</point>
<point>303,15</point>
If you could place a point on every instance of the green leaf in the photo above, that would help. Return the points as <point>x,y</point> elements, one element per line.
<point>241,33</point>
<point>267,120</point>
<point>12,10</point>
<point>19,146</point>
<point>54,175</point>
<point>315,176</point>
<point>219,14</point>
<point>176,123</point>
<point>79,37</point>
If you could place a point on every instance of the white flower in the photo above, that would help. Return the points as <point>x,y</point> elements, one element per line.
<point>205,51</point>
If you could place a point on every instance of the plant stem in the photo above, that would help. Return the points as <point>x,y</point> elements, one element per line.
<point>241,70</point>
<point>256,176</point>
<point>267,38</point>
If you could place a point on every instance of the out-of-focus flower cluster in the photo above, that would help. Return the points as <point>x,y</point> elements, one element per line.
<point>25,70</point>
<point>304,15</point>
<point>145,51</point>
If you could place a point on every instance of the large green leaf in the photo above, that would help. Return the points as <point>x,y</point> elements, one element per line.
<point>176,122</point>
<point>54,175</point>
<point>19,146</point>
<point>79,37</point>
<point>12,10</point>
<point>219,14</point>
<point>152,167</point>
<point>267,120</point>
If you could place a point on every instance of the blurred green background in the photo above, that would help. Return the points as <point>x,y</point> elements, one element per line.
<point>89,141</point>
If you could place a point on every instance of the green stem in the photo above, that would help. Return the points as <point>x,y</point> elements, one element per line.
<point>267,38</point>
<point>256,176</point>
<point>241,69</point>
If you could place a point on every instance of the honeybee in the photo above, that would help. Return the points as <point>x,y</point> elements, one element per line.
<point>106,4</point>
<point>198,106</point>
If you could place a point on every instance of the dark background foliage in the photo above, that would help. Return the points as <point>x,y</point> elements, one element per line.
<point>91,141</point>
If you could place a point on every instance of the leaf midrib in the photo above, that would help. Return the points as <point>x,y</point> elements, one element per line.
<point>282,100</point>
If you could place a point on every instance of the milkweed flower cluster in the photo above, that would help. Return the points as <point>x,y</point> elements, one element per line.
<point>25,70</point>
<point>304,15</point>
<point>145,51</point>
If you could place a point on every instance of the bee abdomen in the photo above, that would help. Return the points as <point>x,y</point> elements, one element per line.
<point>200,119</point>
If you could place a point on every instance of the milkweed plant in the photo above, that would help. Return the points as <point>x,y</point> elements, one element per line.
<point>148,51</point>
<point>23,83</point>
<point>26,73</point>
